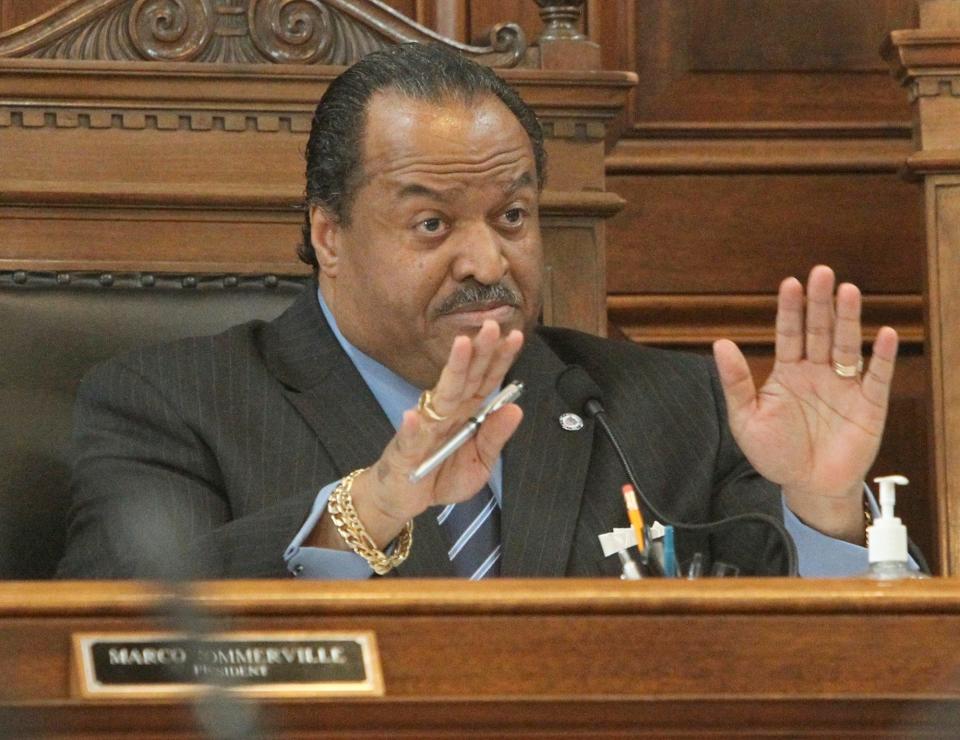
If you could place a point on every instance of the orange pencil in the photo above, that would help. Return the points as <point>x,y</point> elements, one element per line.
<point>635,516</point>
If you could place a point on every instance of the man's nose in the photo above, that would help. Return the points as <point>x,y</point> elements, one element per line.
<point>480,255</point>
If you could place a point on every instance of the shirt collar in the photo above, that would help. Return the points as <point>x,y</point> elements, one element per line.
<point>394,394</point>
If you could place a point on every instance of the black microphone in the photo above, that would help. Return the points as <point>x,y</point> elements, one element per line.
<point>577,388</point>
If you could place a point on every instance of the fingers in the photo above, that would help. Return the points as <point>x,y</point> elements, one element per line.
<point>879,376</point>
<point>820,314</point>
<point>462,474</point>
<point>819,327</point>
<point>736,380</point>
<point>789,340</point>
<point>474,369</point>
<point>468,361</point>
<point>501,362</point>
<point>847,335</point>
<point>453,377</point>
<point>485,347</point>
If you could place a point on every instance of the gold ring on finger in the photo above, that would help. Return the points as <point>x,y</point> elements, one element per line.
<point>425,407</point>
<point>848,371</point>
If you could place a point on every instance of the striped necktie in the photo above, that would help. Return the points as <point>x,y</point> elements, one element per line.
<point>473,533</point>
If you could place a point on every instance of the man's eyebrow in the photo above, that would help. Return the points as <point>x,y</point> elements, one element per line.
<point>524,181</point>
<point>414,189</point>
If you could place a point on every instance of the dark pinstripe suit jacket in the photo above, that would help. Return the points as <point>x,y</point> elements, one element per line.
<point>203,457</point>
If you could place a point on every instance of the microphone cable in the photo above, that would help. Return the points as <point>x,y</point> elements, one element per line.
<point>580,390</point>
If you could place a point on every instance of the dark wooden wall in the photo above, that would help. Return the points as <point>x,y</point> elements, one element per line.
<point>765,136</point>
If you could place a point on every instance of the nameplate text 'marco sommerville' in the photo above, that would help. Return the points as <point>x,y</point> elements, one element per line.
<point>117,665</point>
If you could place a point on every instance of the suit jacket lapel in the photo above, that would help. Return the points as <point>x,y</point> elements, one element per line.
<point>545,469</point>
<point>325,387</point>
<point>323,384</point>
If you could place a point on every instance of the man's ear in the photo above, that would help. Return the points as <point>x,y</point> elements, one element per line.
<point>325,236</point>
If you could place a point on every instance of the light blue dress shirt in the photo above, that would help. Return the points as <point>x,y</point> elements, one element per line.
<point>819,555</point>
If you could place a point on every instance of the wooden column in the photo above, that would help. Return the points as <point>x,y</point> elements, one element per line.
<point>927,61</point>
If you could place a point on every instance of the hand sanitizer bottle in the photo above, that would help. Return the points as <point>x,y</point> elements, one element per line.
<point>887,537</point>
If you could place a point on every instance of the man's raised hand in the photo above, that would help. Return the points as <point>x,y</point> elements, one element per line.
<point>383,496</point>
<point>815,425</point>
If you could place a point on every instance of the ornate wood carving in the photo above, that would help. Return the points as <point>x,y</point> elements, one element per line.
<point>560,19</point>
<point>87,280</point>
<point>297,122</point>
<point>337,32</point>
<point>562,44</point>
<point>143,118</point>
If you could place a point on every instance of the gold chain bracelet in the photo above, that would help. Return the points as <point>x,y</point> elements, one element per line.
<point>351,529</point>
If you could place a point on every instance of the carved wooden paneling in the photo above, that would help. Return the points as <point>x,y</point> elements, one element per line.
<point>407,8</point>
<point>15,12</point>
<point>718,233</point>
<point>484,14</point>
<point>450,18</point>
<point>168,167</point>
<point>943,267</point>
<point>927,62</point>
<point>742,61</point>
<point>857,152</point>
<point>765,137</point>
<point>692,319</point>
<point>791,35</point>
<point>335,32</point>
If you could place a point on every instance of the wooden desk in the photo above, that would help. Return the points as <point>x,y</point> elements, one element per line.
<point>529,657</point>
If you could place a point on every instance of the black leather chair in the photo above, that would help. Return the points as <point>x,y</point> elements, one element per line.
<point>53,328</point>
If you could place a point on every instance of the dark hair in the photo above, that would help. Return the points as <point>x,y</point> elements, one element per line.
<point>422,72</point>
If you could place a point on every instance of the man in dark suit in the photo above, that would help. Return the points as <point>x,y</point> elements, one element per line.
<point>290,445</point>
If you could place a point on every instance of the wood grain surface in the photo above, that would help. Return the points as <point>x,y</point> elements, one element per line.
<point>537,658</point>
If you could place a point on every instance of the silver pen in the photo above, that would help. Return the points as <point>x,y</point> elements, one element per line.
<point>509,394</point>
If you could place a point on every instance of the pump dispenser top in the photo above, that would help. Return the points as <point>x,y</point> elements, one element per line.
<point>887,537</point>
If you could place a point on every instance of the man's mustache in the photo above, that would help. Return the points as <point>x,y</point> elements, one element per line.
<point>477,295</point>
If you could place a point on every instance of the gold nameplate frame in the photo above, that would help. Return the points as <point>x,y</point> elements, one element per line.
<point>151,665</point>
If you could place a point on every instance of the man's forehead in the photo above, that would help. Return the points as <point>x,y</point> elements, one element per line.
<point>405,136</point>
<point>449,189</point>
<point>446,111</point>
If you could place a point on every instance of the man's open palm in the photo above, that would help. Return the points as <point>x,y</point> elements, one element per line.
<point>815,425</point>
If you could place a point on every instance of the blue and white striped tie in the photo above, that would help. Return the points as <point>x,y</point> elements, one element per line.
<point>473,533</point>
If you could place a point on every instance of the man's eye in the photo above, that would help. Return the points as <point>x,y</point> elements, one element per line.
<point>514,216</point>
<point>431,225</point>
